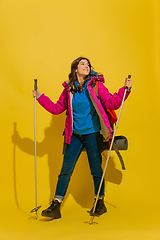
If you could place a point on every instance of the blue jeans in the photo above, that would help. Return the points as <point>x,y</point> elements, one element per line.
<point>93,144</point>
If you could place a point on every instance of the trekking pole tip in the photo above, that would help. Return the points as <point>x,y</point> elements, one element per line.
<point>91,221</point>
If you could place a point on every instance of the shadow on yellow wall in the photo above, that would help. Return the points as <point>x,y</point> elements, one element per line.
<point>81,183</point>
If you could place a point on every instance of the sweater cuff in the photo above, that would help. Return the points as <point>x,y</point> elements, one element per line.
<point>129,89</point>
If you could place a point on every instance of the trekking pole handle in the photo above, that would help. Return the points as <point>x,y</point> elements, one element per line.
<point>35,84</point>
<point>129,76</point>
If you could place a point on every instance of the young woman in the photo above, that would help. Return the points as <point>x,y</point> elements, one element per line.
<point>86,125</point>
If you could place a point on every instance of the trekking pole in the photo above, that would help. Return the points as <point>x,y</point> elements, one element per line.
<point>100,185</point>
<point>36,208</point>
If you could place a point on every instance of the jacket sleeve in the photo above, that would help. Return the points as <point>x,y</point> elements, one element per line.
<point>54,108</point>
<point>111,101</point>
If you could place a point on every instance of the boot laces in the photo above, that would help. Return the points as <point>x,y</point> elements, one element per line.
<point>52,204</point>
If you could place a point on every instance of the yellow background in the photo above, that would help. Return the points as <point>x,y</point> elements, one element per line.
<point>39,39</point>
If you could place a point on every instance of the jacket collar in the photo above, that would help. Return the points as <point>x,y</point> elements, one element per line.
<point>95,78</point>
<point>65,84</point>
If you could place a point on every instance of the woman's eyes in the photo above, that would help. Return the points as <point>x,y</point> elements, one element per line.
<point>84,64</point>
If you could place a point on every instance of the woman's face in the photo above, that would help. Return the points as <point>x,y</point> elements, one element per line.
<point>83,68</point>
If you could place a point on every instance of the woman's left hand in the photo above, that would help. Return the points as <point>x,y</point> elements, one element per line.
<point>128,83</point>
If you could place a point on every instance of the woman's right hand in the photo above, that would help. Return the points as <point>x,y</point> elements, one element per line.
<point>37,93</point>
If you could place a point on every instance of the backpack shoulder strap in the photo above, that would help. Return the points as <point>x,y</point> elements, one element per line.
<point>96,89</point>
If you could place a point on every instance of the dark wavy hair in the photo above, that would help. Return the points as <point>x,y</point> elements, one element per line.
<point>73,76</point>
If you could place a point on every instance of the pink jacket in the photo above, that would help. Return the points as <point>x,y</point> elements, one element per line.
<point>106,99</point>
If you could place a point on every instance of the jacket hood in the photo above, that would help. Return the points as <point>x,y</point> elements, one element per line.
<point>95,78</point>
